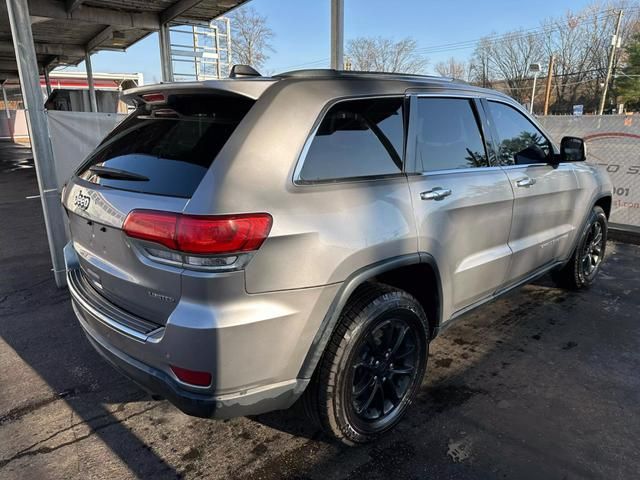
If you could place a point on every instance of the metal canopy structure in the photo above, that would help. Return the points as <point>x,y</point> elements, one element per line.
<point>38,35</point>
<point>64,31</point>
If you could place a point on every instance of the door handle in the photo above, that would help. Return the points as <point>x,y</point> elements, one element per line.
<point>435,194</point>
<point>526,182</point>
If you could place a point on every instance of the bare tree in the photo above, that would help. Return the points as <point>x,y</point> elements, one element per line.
<point>580,42</point>
<point>251,37</point>
<point>479,71</point>
<point>508,58</point>
<point>568,40</point>
<point>378,54</point>
<point>452,68</point>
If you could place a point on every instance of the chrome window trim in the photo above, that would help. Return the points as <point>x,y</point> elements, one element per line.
<point>527,165</point>
<point>444,95</point>
<point>491,168</point>
<point>299,182</point>
<point>449,171</point>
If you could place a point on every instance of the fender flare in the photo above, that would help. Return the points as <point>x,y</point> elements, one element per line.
<point>576,241</point>
<point>356,279</point>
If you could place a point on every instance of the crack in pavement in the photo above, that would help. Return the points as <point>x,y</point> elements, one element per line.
<point>28,452</point>
<point>87,421</point>
<point>19,412</point>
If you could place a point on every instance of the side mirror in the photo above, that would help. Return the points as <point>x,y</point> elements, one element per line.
<point>573,149</point>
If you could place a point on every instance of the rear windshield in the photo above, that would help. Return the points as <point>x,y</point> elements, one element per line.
<point>166,149</point>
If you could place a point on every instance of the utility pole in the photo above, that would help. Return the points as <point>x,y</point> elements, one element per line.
<point>614,45</point>
<point>337,34</point>
<point>535,68</point>
<point>547,91</point>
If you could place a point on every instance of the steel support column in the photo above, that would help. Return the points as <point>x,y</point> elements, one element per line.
<point>337,34</point>
<point>164,39</point>
<point>229,59</point>
<point>92,89</point>
<point>47,81</point>
<point>6,101</point>
<point>18,11</point>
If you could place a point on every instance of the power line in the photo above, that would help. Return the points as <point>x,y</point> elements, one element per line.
<point>307,64</point>
<point>499,83</point>
<point>466,44</point>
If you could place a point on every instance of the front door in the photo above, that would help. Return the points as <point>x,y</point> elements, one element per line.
<point>545,194</point>
<point>462,204</point>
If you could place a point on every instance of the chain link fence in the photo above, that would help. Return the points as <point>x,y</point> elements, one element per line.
<point>613,142</point>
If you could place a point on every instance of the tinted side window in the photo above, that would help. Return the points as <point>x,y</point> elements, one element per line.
<point>357,138</point>
<point>447,135</point>
<point>521,143</point>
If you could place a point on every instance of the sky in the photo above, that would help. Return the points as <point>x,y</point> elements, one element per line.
<point>302,29</point>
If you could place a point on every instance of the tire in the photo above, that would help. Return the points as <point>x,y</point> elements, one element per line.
<point>581,270</point>
<point>347,377</point>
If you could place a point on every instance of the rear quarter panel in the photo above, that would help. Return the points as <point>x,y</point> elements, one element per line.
<point>321,233</point>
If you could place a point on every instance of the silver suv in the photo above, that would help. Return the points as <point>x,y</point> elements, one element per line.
<point>239,243</point>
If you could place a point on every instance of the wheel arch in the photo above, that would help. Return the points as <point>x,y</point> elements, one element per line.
<point>605,203</point>
<point>400,272</point>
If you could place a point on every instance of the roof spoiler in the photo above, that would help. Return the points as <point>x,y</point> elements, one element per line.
<point>240,71</point>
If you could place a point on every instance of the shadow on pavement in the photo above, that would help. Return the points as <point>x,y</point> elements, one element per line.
<point>37,322</point>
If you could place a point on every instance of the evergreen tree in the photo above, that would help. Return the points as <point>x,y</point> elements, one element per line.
<point>628,83</point>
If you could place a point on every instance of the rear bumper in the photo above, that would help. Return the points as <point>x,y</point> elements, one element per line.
<point>253,364</point>
<point>154,381</point>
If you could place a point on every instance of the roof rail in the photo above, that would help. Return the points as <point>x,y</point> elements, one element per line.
<point>332,73</point>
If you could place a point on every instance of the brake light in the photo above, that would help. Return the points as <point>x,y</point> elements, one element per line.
<point>201,235</point>
<point>201,379</point>
<point>154,97</point>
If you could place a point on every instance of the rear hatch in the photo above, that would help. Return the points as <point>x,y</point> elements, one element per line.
<point>154,160</point>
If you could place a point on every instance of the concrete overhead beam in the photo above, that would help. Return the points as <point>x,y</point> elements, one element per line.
<point>177,9</point>
<point>100,38</point>
<point>95,15</point>
<point>58,50</point>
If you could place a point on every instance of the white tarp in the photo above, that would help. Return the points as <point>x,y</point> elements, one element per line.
<point>74,135</point>
<point>13,127</point>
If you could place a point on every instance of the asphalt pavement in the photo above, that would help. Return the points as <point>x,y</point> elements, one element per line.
<point>540,384</point>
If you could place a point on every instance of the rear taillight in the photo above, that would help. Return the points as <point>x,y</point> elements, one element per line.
<point>218,235</point>
<point>200,235</point>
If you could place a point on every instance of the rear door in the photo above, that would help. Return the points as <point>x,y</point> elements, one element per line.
<point>545,194</point>
<point>462,203</point>
<point>154,160</point>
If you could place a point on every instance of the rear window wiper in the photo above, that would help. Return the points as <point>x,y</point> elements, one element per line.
<point>117,174</point>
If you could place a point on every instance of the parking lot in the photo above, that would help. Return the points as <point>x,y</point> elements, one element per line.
<point>541,384</point>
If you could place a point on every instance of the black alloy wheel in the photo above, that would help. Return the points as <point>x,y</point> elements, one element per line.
<point>383,370</point>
